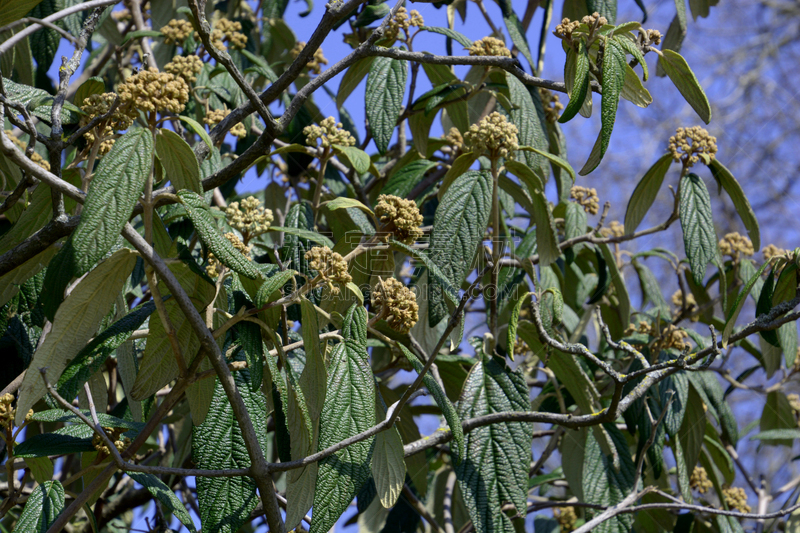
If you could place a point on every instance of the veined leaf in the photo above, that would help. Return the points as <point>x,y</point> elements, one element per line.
<point>614,63</point>
<point>357,157</point>
<point>631,48</point>
<point>726,180</point>
<point>684,79</point>
<point>733,314</point>
<point>352,78</point>
<point>306,234</point>
<point>386,85</point>
<point>197,209</point>
<point>226,502</point>
<point>11,282</point>
<point>388,465</point>
<point>403,181</point>
<point>349,411</point>
<point>179,162</point>
<point>525,116</point>
<point>458,227</point>
<point>603,482</point>
<point>74,324</point>
<point>606,8</point>
<point>93,85</point>
<point>495,468</point>
<point>42,508</point>
<point>645,193</point>
<point>546,238</point>
<point>634,91</point>
<point>456,36</point>
<point>699,237</point>
<point>517,33</point>
<point>448,411</point>
<point>41,101</point>
<point>164,494</point>
<point>198,129</point>
<point>580,84</point>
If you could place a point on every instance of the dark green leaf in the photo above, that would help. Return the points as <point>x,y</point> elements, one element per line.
<point>733,314</point>
<point>710,390</point>
<point>764,305</point>
<point>352,78</point>
<point>403,181</point>
<point>645,193</point>
<point>606,8</point>
<point>605,484</point>
<point>517,33</point>
<point>44,41</point>
<point>699,238</point>
<point>684,79</point>
<point>546,237</point>
<point>39,100</point>
<point>740,202</point>
<point>179,162</point>
<point>525,117</point>
<point>42,508</point>
<point>306,234</point>
<point>93,85</point>
<point>580,85</point>
<point>386,85</point>
<point>777,415</point>
<point>164,494</point>
<point>456,36</point>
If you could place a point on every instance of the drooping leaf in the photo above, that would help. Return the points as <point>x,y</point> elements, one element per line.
<point>605,483</point>
<point>179,162</point>
<point>456,36</point>
<point>699,237</point>
<point>495,469</point>
<point>525,116</point>
<point>726,180</point>
<point>75,322</point>
<point>352,78</point>
<point>349,411</point>
<point>164,494</point>
<point>42,508</point>
<point>546,238</point>
<point>458,227</point>
<point>386,84</point>
<point>606,8</point>
<point>388,466</point>
<point>686,82</point>
<point>580,85</point>
<point>198,211</point>
<point>645,193</point>
<point>199,130</point>
<point>226,502</point>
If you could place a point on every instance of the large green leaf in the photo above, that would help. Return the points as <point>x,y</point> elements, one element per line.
<point>11,282</point>
<point>777,415</point>
<point>42,508</point>
<point>352,78</point>
<point>580,85</point>
<point>36,215</point>
<point>11,10</point>
<point>726,180</point>
<point>41,101</point>
<point>606,8</point>
<point>44,41</point>
<point>546,237</point>
<point>458,227</point>
<point>614,63</point>
<point>684,79</point>
<point>645,193</point>
<point>733,314</point>
<point>699,237</point>
<point>115,189</point>
<point>349,410</point>
<point>386,85</point>
<point>198,211</point>
<point>164,494</point>
<point>179,162</point>
<point>606,484</point>
<point>388,465</point>
<point>74,324</point>
<point>226,502</point>
<point>495,469</point>
<point>403,181</point>
<point>525,117</point>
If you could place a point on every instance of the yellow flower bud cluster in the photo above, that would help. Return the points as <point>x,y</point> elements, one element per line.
<point>494,135</point>
<point>115,434</point>
<point>328,132</point>
<point>594,20</point>
<point>330,266</point>
<point>670,337</point>
<point>249,217</point>
<point>36,158</point>
<point>455,139</point>
<point>566,28</point>
<point>402,20</point>
<point>186,67</point>
<point>215,116</point>
<point>176,31</point>
<point>397,304</point>
<point>794,403</point>
<point>690,304</point>
<point>215,266</point>
<point>153,91</point>
<point>687,143</point>
<point>566,518</point>
<point>97,105</point>
<point>654,37</point>
<point>8,413</point>
<point>229,31</point>
<point>587,198</point>
<point>521,347</point>
<point>314,65</point>
<point>771,251</point>
<point>735,245</point>
<point>699,480</point>
<point>489,46</point>
<point>401,218</point>
<point>615,229</point>
<point>552,105</point>
<point>736,498</point>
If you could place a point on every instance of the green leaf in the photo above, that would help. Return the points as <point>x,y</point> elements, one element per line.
<point>457,169</point>
<point>93,85</point>
<point>546,237</point>
<point>495,468</point>
<point>10,283</point>
<point>764,305</point>
<point>458,227</point>
<point>40,101</point>
<point>345,203</point>
<point>634,91</point>
<point>692,429</point>
<point>306,234</point>
<point>388,466</point>
<point>606,8</point>
<point>403,181</point>
<point>198,129</point>
<point>44,41</point>
<point>726,180</point>
<point>138,34</point>
<point>733,314</point>
<point>12,10</point>
<point>349,410</point>
<point>44,505</point>
<point>226,502</point>
<point>651,289</point>
<point>517,33</point>
<point>302,442</point>
<point>386,85</point>
<point>623,308</point>
<point>448,411</point>
<point>580,84</point>
<point>645,193</point>
<point>94,355</point>
<point>453,34</point>
<point>198,211</point>
<point>352,78</point>
<point>36,215</point>
<point>606,484</point>
<point>525,117</point>
<point>699,237</point>
<point>513,323</point>
<point>684,79</point>
<point>75,322</point>
<point>710,390</point>
<point>575,221</point>
<point>164,494</point>
<point>67,440</point>
<point>614,63</point>
<point>554,159</point>
<point>777,415</point>
<point>633,49</point>
<point>357,158</point>
<point>179,162</point>
<point>776,434</point>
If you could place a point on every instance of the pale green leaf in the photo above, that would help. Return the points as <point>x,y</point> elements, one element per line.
<point>726,180</point>
<point>198,129</point>
<point>684,79</point>
<point>388,466</point>
<point>357,157</point>
<point>345,203</point>
<point>352,78</point>
<point>179,162</point>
